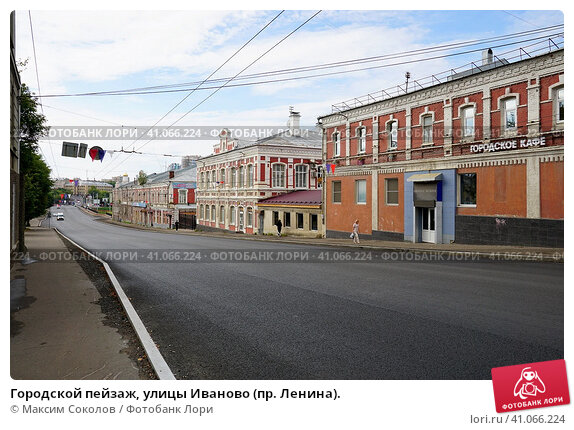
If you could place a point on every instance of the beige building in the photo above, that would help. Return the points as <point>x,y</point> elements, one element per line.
<point>299,212</point>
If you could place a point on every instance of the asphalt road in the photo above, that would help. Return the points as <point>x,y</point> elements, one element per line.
<point>330,320</point>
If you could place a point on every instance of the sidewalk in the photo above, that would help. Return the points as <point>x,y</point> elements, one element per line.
<point>57,328</point>
<point>497,252</point>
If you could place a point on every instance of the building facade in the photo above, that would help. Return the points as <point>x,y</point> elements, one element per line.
<point>16,184</point>
<point>477,159</point>
<point>165,199</point>
<point>239,174</point>
<point>300,213</point>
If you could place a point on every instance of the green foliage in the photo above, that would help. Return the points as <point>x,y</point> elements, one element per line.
<point>37,182</point>
<point>142,177</point>
<point>37,187</point>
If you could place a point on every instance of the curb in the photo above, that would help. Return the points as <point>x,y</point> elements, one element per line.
<point>157,361</point>
<point>491,254</point>
<point>518,255</point>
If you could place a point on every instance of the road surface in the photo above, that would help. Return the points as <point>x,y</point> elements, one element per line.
<point>329,320</point>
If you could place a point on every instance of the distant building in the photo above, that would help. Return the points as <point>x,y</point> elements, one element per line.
<point>166,198</point>
<point>188,161</point>
<point>239,174</point>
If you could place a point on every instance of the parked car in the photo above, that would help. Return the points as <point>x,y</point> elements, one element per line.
<point>60,216</point>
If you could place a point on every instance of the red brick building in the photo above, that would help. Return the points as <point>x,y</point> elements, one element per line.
<point>477,158</point>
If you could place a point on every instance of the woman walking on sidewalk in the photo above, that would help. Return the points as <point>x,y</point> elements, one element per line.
<point>356,231</point>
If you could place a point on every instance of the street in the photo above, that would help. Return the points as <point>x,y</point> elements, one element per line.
<point>331,320</point>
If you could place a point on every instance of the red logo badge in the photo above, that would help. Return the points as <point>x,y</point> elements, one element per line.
<point>529,386</point>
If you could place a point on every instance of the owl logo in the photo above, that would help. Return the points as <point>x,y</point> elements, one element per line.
<point>529,384</point>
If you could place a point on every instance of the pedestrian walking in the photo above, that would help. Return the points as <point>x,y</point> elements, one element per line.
<point>279,225</point>
<point>176,225</point>
<point>355,233</point>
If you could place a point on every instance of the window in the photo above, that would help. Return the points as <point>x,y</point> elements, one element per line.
<point>509,112</point>
<point>222,214</point>
<point>336,144</point>
<point>336,191</point>
<point>392,191</point>
<point>314,222</point>
<point>212,212</point>
<point>393,130</point>
<point>232,215</point>
<point>182,197</point>
<point>559,103</point>
<point>222,176</point>
<point>301,176</point>
<point>249,217</point>
<point>201,213</point>
<point>207,217</point>
<point>241,177</point>
<point>287,219</point>
<point>214,179</point>
<point>361,191</point>
<point>202,179</point>
<point>275,217</point>
<point>278,176</point>
<point>362,139</point>
<point>299,220</point>
<point>467,189</point>
<point>233,177</point>
<point>250,176</point>
<point>467,116</point>
<point>427,128</point>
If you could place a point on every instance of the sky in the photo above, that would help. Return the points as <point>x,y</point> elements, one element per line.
<point>95,51</point>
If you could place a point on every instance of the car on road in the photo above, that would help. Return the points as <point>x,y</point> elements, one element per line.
<point>59,216</point>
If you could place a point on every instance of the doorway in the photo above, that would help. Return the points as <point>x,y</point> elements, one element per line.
<point>428,231</point>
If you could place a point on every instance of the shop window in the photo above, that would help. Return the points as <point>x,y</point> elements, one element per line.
<point>299,220</point>
<point>314,222</point>
<point>361,191</point>
<point>278,176</point>
<point>287,219</point>
<point>509,107</point>
<point>336,144</point>
<point>467,189</point>
<point>336,191</point>
<point>393,131</point>
<point>301,176</point>
<point>392,191</point>
<point>467,116</point>
<point>427,129</point>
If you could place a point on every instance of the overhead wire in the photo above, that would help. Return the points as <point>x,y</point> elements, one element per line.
<point>232,78</point>
<point>39,90</point>
<point>421,51</point>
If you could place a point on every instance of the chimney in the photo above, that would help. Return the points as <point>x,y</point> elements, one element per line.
<point>294,119</point>
<point>487,57</point>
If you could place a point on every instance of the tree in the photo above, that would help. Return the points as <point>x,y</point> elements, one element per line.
<point>35,173</point>
<point>142,177</point>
